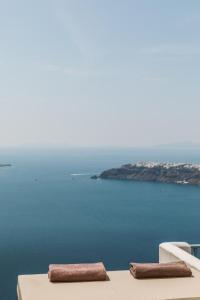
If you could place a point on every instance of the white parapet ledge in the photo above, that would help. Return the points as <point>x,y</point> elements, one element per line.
<point>176,251</point>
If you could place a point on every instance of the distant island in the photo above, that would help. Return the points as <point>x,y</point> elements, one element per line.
<point>5,165</point>
<point>179,173</point>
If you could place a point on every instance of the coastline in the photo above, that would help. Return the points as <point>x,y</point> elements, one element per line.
<point>177,173</point>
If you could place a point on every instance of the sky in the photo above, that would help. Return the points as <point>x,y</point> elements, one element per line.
<point>99,72</point>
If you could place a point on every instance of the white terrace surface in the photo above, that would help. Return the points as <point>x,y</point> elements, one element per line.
<point>121,285</point>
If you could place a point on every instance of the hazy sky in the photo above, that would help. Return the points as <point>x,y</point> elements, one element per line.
<point>99,72</point>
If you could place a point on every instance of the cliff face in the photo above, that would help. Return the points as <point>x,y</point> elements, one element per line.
<point>169,173</point>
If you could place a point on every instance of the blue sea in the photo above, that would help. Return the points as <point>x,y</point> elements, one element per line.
<point>52,212</point>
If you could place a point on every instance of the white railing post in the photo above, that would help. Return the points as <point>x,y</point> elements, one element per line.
<point>176,251</point>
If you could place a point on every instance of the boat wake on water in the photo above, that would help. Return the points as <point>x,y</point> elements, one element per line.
<point>80,174</point>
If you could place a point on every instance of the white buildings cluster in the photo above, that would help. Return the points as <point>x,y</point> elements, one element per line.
<point>167,165</point>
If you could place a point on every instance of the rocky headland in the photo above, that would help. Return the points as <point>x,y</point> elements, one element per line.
<point>179,173</point>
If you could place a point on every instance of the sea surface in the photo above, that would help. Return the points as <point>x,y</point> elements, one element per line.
<point>52,212</point>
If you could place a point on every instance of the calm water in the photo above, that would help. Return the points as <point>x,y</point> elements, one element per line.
<point>48,216</point>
